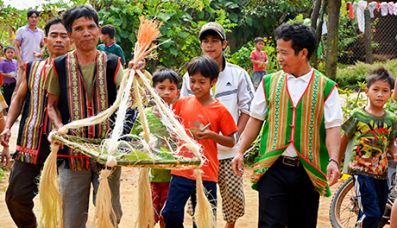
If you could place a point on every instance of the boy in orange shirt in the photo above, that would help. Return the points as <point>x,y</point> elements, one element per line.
<point>210,123</point>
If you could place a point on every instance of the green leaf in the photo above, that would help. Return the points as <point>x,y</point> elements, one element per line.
<point>164,16</point>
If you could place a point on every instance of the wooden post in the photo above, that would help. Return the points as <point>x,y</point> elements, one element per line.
<point>368,37</point>
<point>315,13</point>
<point>333,36</point>
<point>319,31</point>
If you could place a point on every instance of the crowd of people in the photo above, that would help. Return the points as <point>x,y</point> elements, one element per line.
<point>296,111</point>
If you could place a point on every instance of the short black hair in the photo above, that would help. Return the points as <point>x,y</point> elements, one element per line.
<point>108,30</point>
<point>78,12</point>
<point>204,65</point>
<point>51,22</point>
<point>301,37</point>
<point>258,39</point>
<point>380,74</point>
<point>164,74</point>
<point>8,47</point>
<point>33,11</point>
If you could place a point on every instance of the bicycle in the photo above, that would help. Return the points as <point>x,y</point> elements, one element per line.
<point>344,205</point>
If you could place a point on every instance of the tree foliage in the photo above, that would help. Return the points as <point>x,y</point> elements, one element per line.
<point>181,20</point>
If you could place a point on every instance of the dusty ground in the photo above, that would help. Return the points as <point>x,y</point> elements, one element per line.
<point>129,203</point>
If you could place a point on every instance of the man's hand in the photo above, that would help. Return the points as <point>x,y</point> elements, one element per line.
<point>37,54</point>
<point>238,164</point>
<point>5,137</point>
<point>333,173</point>
<point>21,65</point>
<point>139,66</point>
<point>5,156</point>
<point>61,131</point>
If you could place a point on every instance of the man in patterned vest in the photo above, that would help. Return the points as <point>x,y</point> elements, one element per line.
<point>32,145</point>
<point>300,139</point>
<point>81,84</point>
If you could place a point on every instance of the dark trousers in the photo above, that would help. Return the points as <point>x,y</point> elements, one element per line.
<point>372,196</point>
<point>287,198</point>
<point>23,187</point>
<point>8,90</point>
<point>21,190</point>
<point>179,192</point>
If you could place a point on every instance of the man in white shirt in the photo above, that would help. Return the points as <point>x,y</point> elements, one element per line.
<point>300,140</point>
<point>235,90</point>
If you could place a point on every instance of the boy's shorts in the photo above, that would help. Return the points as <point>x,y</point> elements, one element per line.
<point>232,192</point>
<point>159,196</point>
<point>257,78</point>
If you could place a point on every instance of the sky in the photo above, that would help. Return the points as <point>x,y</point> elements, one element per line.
<point>26,4</point>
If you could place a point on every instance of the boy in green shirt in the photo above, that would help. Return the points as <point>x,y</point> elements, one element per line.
<point>165,82</point>
<point>373,131</point>
<point>109,44</point>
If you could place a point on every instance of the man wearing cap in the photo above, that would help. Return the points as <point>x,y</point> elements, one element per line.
<point>235,90</point>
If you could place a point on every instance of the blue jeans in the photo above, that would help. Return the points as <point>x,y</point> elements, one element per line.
<point>372,196</point>
<point>257,78</point>
<point>180,190</point>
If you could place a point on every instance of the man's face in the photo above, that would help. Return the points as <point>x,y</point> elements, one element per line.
<point>33,20</point>
<point>85,34</point>
<point>212,46</point>
<point>288,60</point>
<point>57,41</point>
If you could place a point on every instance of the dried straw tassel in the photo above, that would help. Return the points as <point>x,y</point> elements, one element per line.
<point>203,216</point>
<point>105,216</point>
<point>49,194</point>
<point>145,212</point>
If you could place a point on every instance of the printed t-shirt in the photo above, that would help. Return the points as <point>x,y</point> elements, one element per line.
<point>371,137</point>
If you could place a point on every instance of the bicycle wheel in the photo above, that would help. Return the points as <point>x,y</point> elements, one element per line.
<point>344,207</point>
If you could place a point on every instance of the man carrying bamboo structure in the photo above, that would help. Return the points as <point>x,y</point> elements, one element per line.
<point>81,84</point>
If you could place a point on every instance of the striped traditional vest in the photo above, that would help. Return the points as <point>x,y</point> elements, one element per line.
<point>34,116</point>
<point>75,103</point>
<point>302,126</point>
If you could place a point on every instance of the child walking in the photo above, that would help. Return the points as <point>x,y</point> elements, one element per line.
<point>373,131</point>
<point>8,69</point>
<point>210,123</point>
<point>259,61</point>
<point>166,83</point>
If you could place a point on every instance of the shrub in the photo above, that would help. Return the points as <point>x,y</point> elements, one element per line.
<point>350,76</point>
